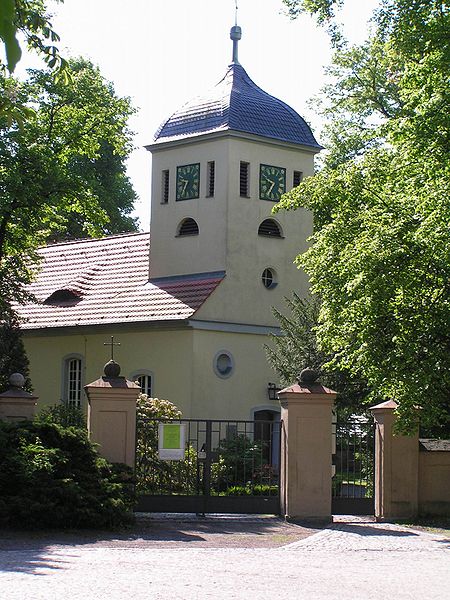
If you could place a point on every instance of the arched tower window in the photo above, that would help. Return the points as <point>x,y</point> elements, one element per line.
<point>270,228</point>
<point>187,227</point>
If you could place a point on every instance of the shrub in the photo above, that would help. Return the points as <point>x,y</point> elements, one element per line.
<point>240,460</point>
<point>62,414</point>
<point>52,476</point>
<point>248,490</point>
<point>155,476</point>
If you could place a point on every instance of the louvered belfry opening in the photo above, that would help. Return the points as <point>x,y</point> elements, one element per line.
<point>244,179</point>
<point>297,178</point>
<point>165,187</point>
<point>210,178</point>
<point>188,227</point>
<point>270,228</point>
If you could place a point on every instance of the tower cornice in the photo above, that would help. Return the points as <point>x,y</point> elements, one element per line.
<point>228,133</point>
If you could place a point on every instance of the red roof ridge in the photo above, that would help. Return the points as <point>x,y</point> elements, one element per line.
<point>99,239</point>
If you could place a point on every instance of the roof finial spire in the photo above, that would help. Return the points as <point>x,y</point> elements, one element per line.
<point>235,35</point>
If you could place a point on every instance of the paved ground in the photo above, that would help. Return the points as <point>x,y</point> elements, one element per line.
<point>351,559</point>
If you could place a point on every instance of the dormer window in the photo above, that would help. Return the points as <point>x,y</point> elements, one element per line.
<point>270,228</point>
<point>187,227</point>
<point>64,297</point>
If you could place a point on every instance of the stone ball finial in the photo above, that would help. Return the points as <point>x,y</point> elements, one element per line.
<point>112,369</point>
<point>17,380</point>
<point>308,375</point>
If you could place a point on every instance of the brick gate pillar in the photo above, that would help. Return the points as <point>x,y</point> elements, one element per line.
<point>16,404</point>
<point>396,467</point>
<point>112,415</point>
<point>305,475</point>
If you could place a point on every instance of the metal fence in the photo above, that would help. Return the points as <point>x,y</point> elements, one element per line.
<point>227,466</point>
<point>353,467</point>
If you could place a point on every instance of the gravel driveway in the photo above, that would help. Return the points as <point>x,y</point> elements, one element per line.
<point>353,558</point>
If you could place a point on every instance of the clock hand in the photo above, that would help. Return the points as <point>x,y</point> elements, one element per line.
<point>270,181</point>
<point>271,187</point>
<point>186,181</point>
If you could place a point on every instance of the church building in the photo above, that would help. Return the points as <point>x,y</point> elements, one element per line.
<point>191,303</point>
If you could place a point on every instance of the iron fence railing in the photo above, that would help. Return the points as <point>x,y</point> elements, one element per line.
<point>353,460</point>
<point>221,458</point>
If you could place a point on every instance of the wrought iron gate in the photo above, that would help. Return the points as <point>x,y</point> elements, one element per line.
<point>353,466</point>
<point>228,467</point>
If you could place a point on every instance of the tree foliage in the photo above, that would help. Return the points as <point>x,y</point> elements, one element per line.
<point>52,476</point>
<point>62,172</point>
<point>13,358</point>
<point>31,19</point>
<point>297,347</point>
<point>380,257</point>
<point>154,475</point>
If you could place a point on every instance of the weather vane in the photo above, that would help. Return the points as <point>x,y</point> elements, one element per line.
<point>235,35</point>
<point>112,343</point>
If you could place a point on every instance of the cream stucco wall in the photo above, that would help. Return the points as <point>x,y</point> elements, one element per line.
<point>167,354</point>
<point>233,397</point>
<point>171,255</point>
<point>181,362</point>
<point>242,297</point>
<point>228,226</point>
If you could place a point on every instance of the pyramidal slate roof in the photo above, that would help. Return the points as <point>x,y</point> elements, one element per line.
<point>101,281</point>
<point>236,103</point>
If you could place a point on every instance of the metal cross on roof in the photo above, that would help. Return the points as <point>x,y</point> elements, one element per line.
<point>112,343</point>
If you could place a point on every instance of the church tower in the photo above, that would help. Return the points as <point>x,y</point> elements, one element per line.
<point>220,164</point>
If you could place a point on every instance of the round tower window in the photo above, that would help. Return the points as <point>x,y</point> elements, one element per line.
<point>223,364</point>
<point>268,278</point>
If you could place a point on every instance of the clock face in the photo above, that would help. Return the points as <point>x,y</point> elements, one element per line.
<point>272,182</point>
<point>188,181</point>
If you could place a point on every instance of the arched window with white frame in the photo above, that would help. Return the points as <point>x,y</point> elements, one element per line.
<point>144,378</point>
<point>72,384</point>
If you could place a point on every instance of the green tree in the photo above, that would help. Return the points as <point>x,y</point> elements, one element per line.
<point>297,347</point>
<point>154,475</point>
<point>380,257</point>
<point>30,18</point>
<point>13,358</point>
<point>62,172</point>
<point>52,476</point>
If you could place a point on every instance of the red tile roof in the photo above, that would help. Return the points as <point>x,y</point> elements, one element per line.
<point>106,281</point>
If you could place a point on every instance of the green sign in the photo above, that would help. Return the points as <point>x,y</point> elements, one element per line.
<point>171,441</point>
<point>171,436</point>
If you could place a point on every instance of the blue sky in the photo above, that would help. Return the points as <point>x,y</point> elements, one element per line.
<point>163,52</point>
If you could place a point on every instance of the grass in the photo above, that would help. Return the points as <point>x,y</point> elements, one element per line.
<point>439,525</point>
